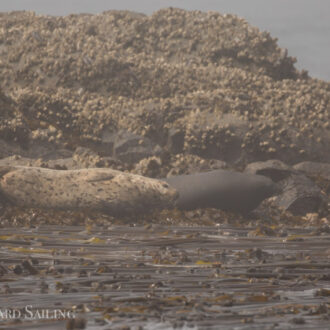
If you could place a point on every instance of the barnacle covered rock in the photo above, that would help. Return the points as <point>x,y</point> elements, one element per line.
<point>190,82</point>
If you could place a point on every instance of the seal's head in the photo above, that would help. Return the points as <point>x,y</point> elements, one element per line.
<point>169,193</point>
<point>162,193</point>
<point>138,194</point>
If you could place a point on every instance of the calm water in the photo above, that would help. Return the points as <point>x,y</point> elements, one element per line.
<point>302,26</point>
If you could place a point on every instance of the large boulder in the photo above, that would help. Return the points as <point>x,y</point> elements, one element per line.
<point>274,169</point>
<point>299,194</point>
<point>314,169</point>
<point>200,83</point>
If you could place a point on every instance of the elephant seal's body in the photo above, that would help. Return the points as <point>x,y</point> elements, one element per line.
<point>222,189</point>
<point>103,189</point>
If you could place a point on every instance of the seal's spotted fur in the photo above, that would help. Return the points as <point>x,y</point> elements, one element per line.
<point>103,189</point>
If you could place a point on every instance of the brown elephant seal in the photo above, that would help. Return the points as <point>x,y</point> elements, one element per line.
<point>106,190</point>
<point>222,189</point>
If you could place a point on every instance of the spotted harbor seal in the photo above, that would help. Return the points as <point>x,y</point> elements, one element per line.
<point>114,192</point>
<point>222,189</point>
<point>118,193</point>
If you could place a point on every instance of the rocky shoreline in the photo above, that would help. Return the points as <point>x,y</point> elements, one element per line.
<point>180,92</point>
<point>173,93</point>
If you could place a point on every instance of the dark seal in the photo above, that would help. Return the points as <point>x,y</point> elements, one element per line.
<point>221,189</point>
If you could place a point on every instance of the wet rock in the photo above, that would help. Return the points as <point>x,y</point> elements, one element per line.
<point>6,289</point>
<point>60,164</point>
<point>299,195</point>
<point>57,154</point>
<point>3,270</point>
<point>78,323</point>
<point>175,142</point>
<point>215,135</point>
<point>314,169</point>
<point>190,164</point>
<point>262,231</point>
<point>8,149</point>
<point>151,167</point>
<point>17,269</point>
<point>86,158</point>
<point>15,160</point>
<point>130,147</point>
<point>298,320</point>
<point>107,142</point>
<point>273,169</point>
<point>13,127</point>
<point>27,265</point>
